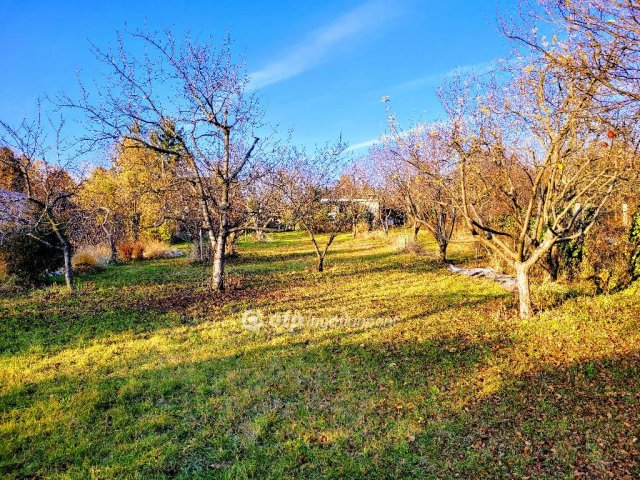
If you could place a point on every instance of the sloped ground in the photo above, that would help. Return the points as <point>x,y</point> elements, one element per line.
<point>144,373</point>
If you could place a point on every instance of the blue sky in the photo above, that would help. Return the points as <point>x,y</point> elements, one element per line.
<point>320,67</point>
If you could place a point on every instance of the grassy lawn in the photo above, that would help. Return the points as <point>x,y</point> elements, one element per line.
<point>145,373</point>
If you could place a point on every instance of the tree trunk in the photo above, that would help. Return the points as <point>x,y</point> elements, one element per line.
<point>524,294</point>
<point>135,227</point>
<point>111,236</point>
<point>552,263</point>
<point>258,233</point>
<point>442,250</point>
<point>217,280</point>
<point>221,242</point>
<point>67,250</point>
<point>231,244</point>
<point>385,225</point>
<point>355,228</point>
<point>68,269</point>
<point>416,230</point>
<point>201,244</point>
<point>114,249</point>
<point>321,263</point>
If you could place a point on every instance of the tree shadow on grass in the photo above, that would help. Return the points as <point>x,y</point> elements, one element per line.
<point>277,262</point>
<point>331,407</point>
<point>311,409</point>
<point>100,308</point>
<point>60,320</point>
<point>577,421</point>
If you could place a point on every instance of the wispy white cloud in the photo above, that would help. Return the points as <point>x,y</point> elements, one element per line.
<point>419,129</point>
<point>365,144</point>
<point>431,79</point>
<point>435,78</point>
<point>320,43</point>
<point>382,138</point>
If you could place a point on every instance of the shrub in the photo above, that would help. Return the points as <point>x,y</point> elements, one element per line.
<point>499,264</point>
<point>363,227</point>
<point>130,251</point>
<point>375,235</point>
<point>414,248</point>
<point>100,252</point>
<point>607,255</point>
<point>4,272</point>
<point>125,249</point>
<point>10,284</point>
<point>85,262</point>
<point>551,294</point>
<point>405,244</point>
<point>570,256</point>
<point>157,250</point>
<point>634,239</point>
<point>137,251</point>
<point>30,261</point>
<point>84,258</point>
<point>159,234</point>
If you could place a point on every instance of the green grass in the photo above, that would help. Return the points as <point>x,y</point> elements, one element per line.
<point>145,373</point>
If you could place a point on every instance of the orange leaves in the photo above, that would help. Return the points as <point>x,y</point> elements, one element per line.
<point>131,250</point>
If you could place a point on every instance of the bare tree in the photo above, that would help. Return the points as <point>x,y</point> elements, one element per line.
<point>355,196</point>
<point>264,205</point>
<point>599,39</point>
<point>423,172</point>
<point>535,162</point>
<point>388,187</point>
<point>44,162</point>
<point>193,92</point>
<point>595,39</point>
<point>307,185</point>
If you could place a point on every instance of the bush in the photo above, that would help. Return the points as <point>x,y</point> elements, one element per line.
<point>101,252</point>
<point>137,251</point>
<point>413,247</point>
<point>607,256</point>
<point>85,262</point>
<point>363,227</point>
<point>157,250</point>
<point>9,284</point>
<point>161,234</point>
<point>131,251</point>
<point>634,239</point>
<point>570,257</point>
<point>125,249</point>
<point>148,250</point>
<point>29,261</point>
<point>375,235</point>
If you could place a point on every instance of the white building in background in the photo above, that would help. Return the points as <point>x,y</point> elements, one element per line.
<point>13,207</point>
<point>378,212</point>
